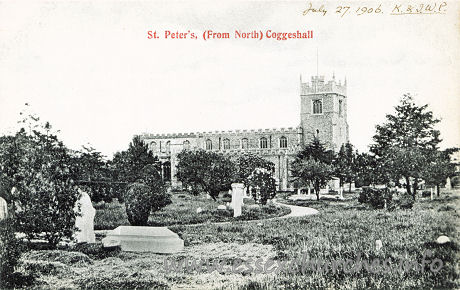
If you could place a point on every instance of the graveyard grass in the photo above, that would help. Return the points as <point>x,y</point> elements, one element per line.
<point>182,211</point>
<point>339,231</point>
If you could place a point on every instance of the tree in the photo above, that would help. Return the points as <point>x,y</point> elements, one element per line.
<point>439,168</point>
<point>312,172</point>
<point>263,185</point>
<point>130,164</point>
<point>208,171</point>
<point>313,165</point>
<point>40,182</point>
<point>94,174</point>
<point>366,169</point>
<point>404,140</point>
<point>247,163</point>
<point>345,164</point>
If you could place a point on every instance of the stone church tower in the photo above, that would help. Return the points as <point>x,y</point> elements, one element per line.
<point>323,111</point>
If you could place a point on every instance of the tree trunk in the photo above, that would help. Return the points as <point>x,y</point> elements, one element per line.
<point>317,190</point>
<point>349,188</point>
<point>438,189</point>
<point>414,186</point>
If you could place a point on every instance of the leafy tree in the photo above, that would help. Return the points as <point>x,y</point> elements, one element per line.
<point>10,252</point>
<point>366,169</point>
<point>317,151</point>
<point>94,174</point>
<point>404,140</point>
<point>263,185</point>
<point>40,179</point>
<point>345,164</point>
<point>313,165</point>
<point>439,168</point>
<point>247,163</point>
<point>130,164</point>
<point>208,171</point>
<point>312,172</point>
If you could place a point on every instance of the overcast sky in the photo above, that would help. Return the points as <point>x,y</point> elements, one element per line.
<point>89,68</point>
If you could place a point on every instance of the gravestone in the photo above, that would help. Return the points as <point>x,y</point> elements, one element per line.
<point>237,198</point>
<point>85,222</point>
<point>448,184</point>
<point>144,239</point>
<point>3,209</point>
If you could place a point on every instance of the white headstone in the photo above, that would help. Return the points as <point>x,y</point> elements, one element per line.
<point>442,240</point>
<point>237,198</point>
<point>221,207</point>
<point>448,184</point>
<point>3,209</point>
<point>85,222</point>
<point>199,210</point>
<point>378,245</point>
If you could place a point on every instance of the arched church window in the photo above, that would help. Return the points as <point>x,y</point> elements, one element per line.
<point>208,144</point>
<point>340,107</point>
<point>168,146</point>
<point>317,107</point>
<point>186,144</point>
<point>283,142</point>
<point>153,146</point>
<point>226,144</point>
<point>244,143</point>
<point>263,142</point>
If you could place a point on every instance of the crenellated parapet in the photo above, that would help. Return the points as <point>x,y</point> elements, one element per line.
<point>288,130</point>
<point>319,85</point>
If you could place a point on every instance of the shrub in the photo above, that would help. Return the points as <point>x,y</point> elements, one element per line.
<point>43,181</point>
<point>208,171</point>
<point>10,252</point>
<point>404,201</point>
<point>141,199</point>
<point>375,197</point>
<point>263,185</point>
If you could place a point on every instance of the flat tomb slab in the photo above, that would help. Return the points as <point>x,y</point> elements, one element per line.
<point>144,239</point>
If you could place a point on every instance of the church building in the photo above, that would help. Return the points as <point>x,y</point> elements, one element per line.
<point>323,113</point>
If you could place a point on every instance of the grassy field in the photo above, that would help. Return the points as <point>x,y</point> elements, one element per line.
<point>182,211</point>
<point>342,230</point>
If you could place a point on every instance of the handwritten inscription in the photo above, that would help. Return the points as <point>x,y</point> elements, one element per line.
<point>314,8</point>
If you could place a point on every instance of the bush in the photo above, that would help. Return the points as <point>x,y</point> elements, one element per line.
<point>43,181</point>
<point>263,185</point>
<point>10,252</point>
<point>404,201</point>
<point>375,197</point>
<point>141,199</point>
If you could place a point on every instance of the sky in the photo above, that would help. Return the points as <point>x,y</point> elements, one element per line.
<point>89,68</point>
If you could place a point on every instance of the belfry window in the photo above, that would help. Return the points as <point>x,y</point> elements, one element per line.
<point>244,143</point>
<point>317,107</point>
<point>263,142</point>
<point>340,107</point>
<point>208,144</point>
<point>226,144</point>
<point>283,142</point>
